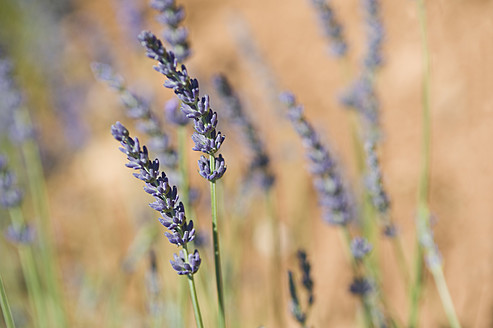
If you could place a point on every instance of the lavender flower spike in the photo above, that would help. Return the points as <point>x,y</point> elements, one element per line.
<point>360,247</point>
<point>375,34</point>
<point>332,27</point>
<point>331,192</point>
<point>172,16</point>
<point>166,199</point>
<point>259,166</point>
<point>140,111</point>
<point>10,195</point>
<point>206,137</point>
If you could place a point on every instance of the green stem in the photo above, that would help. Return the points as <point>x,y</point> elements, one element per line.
<point>4,303</point>
<point>447,303</point>
<point>40,201</point>
<point>184,184</point>
<point>276,265</point>
<point>193,295</point>
<point>30,272</point>
<point>217,254</point>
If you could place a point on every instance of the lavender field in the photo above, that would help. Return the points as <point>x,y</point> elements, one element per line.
<point>299,163</point>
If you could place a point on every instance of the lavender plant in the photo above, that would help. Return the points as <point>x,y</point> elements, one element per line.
<point>331,26</point>
<point>307,283</point>
<point>206,137</point>
<point>167,204</point>
<point>171,15</point>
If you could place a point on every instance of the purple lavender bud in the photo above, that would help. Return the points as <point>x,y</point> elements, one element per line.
<point>182,267</point>
<point>332,195</point>
<point>171,16</point>
<point>360,247</point>
<point>20,235</point>
<point>174,114</point>
<point>390,230</point>
<point>166,197</point>
<point>259,166</point>
<point>295,306</point>
<point>331,27</point>
<point>205,169</point>
<point>361,287</point>
<point>206,138</point>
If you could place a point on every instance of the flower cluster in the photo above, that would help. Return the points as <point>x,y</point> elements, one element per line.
<point>361,96</point>
<point>375,35</point>
<point>206,137</point>
<point>140,111</point>
<point>332,27</point>
<point>307,282</point>
<point>171,16</point>
<point>10,195</point>
<point>332,195</point>
<point>360,247</point>
<point>166,200</point>
<point>259,166</point>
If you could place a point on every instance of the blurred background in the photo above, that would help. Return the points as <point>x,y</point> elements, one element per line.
<point>98,209</point>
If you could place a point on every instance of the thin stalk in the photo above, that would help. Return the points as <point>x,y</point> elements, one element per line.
<point>217,255</point>
<point>276,265</point>
<point>40,201</point>
<point>30,273</point>
<point>193,296</point>
<point>423,211</point>
<point>185,195</point>
<point>447,303</point>
<point>182,151</point>
<point>4,303</point>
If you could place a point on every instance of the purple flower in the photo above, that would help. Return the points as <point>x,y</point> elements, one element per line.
<point>361,287</point>
<point>259,166</point>
<point>332,195</point>
<point>332,27</point>
<point>166,198</point>
<point>206,137</point>
<point>360,247</point>
<point>172,16</point>
<point>10,195</point>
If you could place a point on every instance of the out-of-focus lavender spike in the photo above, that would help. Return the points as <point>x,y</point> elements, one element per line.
<point>360,247</point>
<point>259,166</point>
<point>10,195</point>
<point>375,34</point>
<point>174,114</point>
<point>361,96</point>
<point>332,194</point>
<point>139,110</point>
<point>361,287</point>
<point>166,201</point>
<point>129,16</point>
<point>20,235</point>
<point>332,28</point>
<point>374,185</point>
<point>12,123</point>
<point>295,306</point>
<point>433,257</point>
<point>171,16</point>
<point>206,137</point>
<point>307,280</point>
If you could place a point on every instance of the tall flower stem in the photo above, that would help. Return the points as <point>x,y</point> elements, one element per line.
<point>37,187</point>
<point>423,192</point>
<point>276,266</point>
<point>29,270</point>
<point>217,254</point>
<point>4,303</point>
<point>193,296</point>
